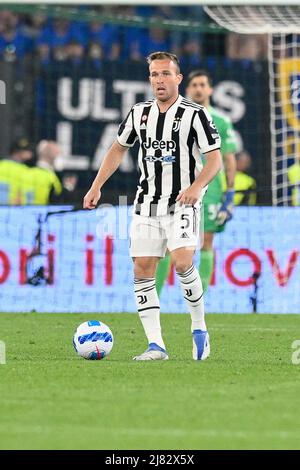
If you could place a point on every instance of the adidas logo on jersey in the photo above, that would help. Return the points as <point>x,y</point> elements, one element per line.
<point>159,144</point>
<point>184,235</point>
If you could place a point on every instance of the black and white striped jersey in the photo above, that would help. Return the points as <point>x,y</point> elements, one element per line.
<point>170,147</point>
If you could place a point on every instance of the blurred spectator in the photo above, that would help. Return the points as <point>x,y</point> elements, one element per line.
<point>75,52</point>
<point>51,37</point>
<point>70,181</point>
<point>191,52</point>
<point>42,183</point>
<point>132,39</point>
<point>35,23</point>
<point>157,39</point>
<point>56,36</point>
<point>14,43</point>
<point>247,46</point>
<point>95,54</point>
<point>139,43</point>
<point>294,181</point>
<point>107,36</point>
<point>13,173</point>
<point>22,151</point>
<point>244,184</point>
<point>95,50</point>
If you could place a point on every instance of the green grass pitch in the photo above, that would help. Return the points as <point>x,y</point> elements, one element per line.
<point>245,396</point>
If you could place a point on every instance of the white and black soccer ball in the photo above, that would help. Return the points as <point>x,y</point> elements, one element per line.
<point>93,340</point>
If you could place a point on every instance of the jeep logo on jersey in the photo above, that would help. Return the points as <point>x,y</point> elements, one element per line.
<point>159,144</point>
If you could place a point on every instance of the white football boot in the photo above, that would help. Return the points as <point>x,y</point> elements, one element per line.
<point>153,353</point>
<point>201,346</point>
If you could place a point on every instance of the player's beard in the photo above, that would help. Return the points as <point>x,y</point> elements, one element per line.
<point>168,95</point>
<point>164,98</point>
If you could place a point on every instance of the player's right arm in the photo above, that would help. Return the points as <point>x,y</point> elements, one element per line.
<point>111,162</point>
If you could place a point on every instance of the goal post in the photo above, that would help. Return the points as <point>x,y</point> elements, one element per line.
<point>281,21</point>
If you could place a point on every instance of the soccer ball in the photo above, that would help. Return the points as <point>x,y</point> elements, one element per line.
<point>93,340</point>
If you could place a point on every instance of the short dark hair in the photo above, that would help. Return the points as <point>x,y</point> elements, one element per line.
<point>199,73</point>
<point>162,56</point>
<point>21,144</point>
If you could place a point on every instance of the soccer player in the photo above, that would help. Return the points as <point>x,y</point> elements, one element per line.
<point>172,131</point>
<point>217,205</point>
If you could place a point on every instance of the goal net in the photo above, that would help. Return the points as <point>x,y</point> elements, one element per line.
<point>282,24</point>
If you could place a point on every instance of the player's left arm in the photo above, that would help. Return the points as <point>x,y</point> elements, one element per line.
<point>194,193</point>
<point>229,147</point>
<point>226,209</point>
<point>209,143</point>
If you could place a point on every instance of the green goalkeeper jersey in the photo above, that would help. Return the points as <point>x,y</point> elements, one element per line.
<point>224,126</point>
<point>213,197</point>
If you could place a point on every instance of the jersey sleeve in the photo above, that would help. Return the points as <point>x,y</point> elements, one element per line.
<point>206,133</point>
<point>229,142</point>
<point>127,134</point>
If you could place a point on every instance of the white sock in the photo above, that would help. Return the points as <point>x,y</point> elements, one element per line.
<point>193,293</point>
<point>149,310</point>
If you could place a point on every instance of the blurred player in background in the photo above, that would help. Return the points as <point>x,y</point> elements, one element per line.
<point>244,184</point>
<point>217,205</point>
<point>172,132</point>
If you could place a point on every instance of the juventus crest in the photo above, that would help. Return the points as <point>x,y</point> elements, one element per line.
<point>176,124</point>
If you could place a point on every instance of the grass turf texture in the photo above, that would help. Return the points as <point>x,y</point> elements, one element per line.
<point>245,396</point>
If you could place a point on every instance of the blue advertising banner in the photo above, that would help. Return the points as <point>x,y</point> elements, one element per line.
<point>56,260</point>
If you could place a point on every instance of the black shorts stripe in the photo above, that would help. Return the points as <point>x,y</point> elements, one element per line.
<point>194,220</point>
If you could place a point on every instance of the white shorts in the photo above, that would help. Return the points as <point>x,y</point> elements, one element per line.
<point>152,236</point>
